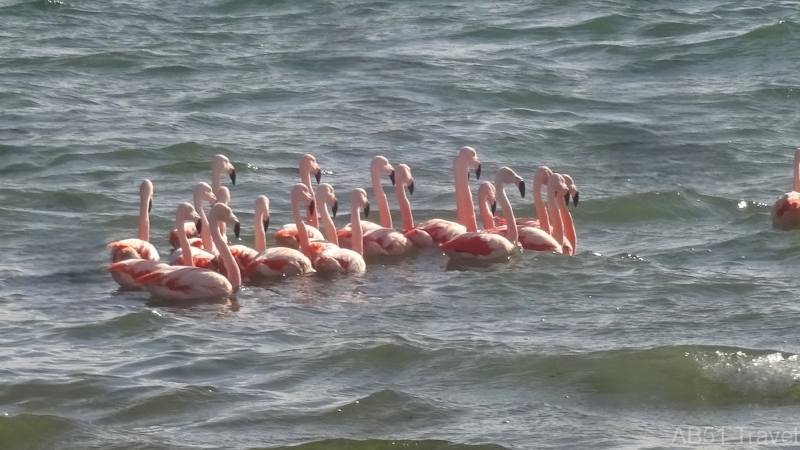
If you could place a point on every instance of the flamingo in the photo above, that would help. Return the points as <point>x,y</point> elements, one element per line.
<point>139,248</point>
<point>136,268</point>
<point>205,256</point>
<point>379,166</point>
<point>202,192</point>
<point>181,283</point>
<point>342,260</point>
<point>388,241</point>
<point>439,231</point>
<point>287,236</point>
<point>269,262</point>
<point>786,212</point>
<point>487,204</point>
<point>488,246</point>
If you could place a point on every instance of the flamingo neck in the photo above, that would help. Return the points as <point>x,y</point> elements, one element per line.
<point>796,187</point>
<point>330,228</point>
<point>380,197</point>
<point>305,178</point>
<point>216,183</point>
<point>486,213</point>
<point>553,206</point>
<point>541,211</point>
<point>511,222</point>
<point>302,232</point>
<point>144,219</point>
<point>405,208</point>
<point>186,249</point>
<point>231,268</point>
<point>358,234</point>
<point>568,226</point>
<point>261,235</point>
<point>205,231</point>
<point>465,210</point>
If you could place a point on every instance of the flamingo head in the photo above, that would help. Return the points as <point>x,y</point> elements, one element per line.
<point>146,193</point>
<point>359,200</point>
<point>380,165</point>
<point>262,210</point>
<point>222,213</point>
<point>187,213</point>
<point>403,177</point>
<point>488,194</point>
<point>469,155</point>
<point>203,192</point>
<point>308,164</point>
<point>327,197</point>
<point>573,190</point>
<point>224,195</point>
<point>557,187</point>
<point>221,164</point>
<point>507,176</point>
<point>302,196</point>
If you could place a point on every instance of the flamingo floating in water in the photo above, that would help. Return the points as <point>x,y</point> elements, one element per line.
<point>786,212</point>
<point>269,262</point>
<point>219,165</point>
<point>136,268</point>
<point>139,248</point>
<point>342,260</point>
<point>287,236</point>
<point>202,248</point>
<point>488,246</point>
<point>439,231</point>
<point>181,283</point>
<point>379,166</point>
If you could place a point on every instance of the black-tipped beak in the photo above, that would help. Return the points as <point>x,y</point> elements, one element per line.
<point>311,207</point>
<point>566,198</point>
<point>199,226</point>
<point>478,172</point>
<point>391,177</point>
<point>522,189</point>
<point>575,199</point>
<point>150,206</point>
<point>366,210</point>
<point>233,176</point>
<point>494,207</point>
<point>318,175</point>
<point>266,224</point>
<point>237,229</point>
<point>335,207</point>
<point>411,188</point>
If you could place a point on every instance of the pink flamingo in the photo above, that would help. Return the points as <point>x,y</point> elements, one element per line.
<point>481,246</point>
<point>487,204</point>
<point>136,268</point>
<point>206,256</point>
<point>342,260</point>
<point>202,192</point>
<point>287,236</point>
<point>379,166</point>
<point>439,231</point>
<point>388,241</point>
<point>182,283</point>
<point>269,262</point>
<point>786,212</point>
<point>139,248</point>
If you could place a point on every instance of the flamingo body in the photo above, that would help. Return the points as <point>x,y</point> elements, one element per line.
<point>440,230</point>
<point>478,246</point>
<point>287,236</point>
<point>340,260</point>
<point>786,211</point>
<point>186,283</point>
<point>531,238</point>
<point>126,272</point>
<point>277,262</point>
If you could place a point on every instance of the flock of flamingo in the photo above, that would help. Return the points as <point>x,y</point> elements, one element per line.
<point>203,266</point>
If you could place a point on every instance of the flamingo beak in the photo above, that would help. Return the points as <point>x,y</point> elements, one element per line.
<point>335,208</point>
<point>391,177</point>
<point>237,229</point>
<point>233,176</point>
<point>494,207</point>
<point>411,188</point>
<point>150,206</point>
<point>575,199</point>
<point>266,224</point>
<point>199,226</point>
<point>522,189</point>
<point>318,175</point>
<point>366,210</point>
<point>566,198</point>
<point>311,207</point>
<point>478,172</point>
